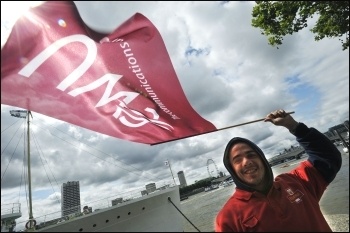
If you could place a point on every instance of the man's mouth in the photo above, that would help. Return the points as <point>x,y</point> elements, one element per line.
<point>250,170</point>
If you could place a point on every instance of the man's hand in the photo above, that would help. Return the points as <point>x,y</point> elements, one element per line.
<point>281,118</point>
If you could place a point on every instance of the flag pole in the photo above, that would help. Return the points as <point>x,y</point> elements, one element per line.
<point>246,123</point>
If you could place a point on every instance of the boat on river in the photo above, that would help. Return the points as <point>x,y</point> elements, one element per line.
<point>150,213</point>
<point>154,212</point>
<point>157,211</point>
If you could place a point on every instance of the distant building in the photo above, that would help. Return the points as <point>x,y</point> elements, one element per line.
<point>144,192</point>
<point>164,187</point>
<point>346,124</point>
<point>70,194</point>
<point>337,134</point>
<point>182,179</point>
<point>341,128</point>
<point>116,201</point>
<point>87,210</point>
<point>151,187</point>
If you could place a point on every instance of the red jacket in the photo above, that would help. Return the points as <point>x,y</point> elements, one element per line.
<point>287,207</point>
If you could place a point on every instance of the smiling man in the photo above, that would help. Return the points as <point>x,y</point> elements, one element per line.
<point>248,165</point>
<point>290,202</point>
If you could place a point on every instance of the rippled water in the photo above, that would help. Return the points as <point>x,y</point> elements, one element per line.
<point>201,209</point>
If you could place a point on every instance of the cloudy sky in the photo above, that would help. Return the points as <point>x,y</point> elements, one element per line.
<point>229,74</point>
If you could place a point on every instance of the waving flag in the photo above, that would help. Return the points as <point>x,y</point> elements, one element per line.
<point>122,84</point>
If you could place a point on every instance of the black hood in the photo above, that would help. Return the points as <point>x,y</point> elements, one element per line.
<point>238,182</point>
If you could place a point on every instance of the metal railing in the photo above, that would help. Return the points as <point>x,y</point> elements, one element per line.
<point>11,208</point>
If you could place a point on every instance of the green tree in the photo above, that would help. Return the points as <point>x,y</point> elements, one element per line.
<point>279,18</point>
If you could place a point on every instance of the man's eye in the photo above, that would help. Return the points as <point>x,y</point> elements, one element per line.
<point>253,155</point>
<point>237,160</point>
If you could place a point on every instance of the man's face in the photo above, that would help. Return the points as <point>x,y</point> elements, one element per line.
<point>248,165</point>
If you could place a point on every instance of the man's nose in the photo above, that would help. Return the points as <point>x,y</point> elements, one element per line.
<point>246,161</point>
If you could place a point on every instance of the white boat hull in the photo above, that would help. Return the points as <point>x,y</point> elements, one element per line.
<point>150,213</point>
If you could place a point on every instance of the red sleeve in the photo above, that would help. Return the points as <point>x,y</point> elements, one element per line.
<point>311,179</point>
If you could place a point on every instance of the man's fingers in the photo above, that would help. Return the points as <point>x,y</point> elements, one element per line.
<point>275,114</point>
<point>278,113</point>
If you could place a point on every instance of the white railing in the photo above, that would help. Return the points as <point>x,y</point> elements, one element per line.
<point>12,208</point>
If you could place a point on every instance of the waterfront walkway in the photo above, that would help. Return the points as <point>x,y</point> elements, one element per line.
<point>335,201</point>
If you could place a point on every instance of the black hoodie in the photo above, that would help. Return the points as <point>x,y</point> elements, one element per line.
<point>238,182</point>
<point>323,155</point>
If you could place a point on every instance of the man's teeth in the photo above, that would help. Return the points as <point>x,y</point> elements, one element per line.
<point>250,171</point>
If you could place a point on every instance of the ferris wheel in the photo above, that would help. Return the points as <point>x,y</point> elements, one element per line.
<point>211,167</point>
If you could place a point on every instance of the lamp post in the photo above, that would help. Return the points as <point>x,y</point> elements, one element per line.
<point>168,164</point>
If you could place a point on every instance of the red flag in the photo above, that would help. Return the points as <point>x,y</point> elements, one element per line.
<point>122,84</point>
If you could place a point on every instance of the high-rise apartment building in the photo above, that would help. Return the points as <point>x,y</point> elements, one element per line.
<point>182,179</point>
<point>70,198</point>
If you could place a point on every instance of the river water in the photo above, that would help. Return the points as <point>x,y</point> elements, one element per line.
<point>201,209</point>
